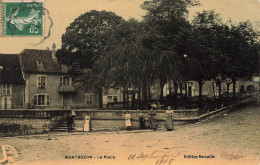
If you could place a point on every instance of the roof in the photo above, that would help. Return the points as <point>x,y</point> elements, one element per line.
<point>10,70</point>
<point>46,64</point>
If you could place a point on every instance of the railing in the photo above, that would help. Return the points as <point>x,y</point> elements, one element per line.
<point>66,89</point>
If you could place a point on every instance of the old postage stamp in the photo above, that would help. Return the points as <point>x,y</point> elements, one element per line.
<point>22,18</point>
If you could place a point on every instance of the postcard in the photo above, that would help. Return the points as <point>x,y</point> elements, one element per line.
<point>129,82</point>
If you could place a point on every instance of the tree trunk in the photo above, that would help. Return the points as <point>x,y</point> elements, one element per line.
<point>133,100</point>
<point>228,85</point>
<point>124,99</point>
<point>181,88</point>
<point>161,94</point>
<point>234,86</point>
<point>219,89</point>
<point>144,93</point>
<point>100,97</point>
<point>139,98</point>
<point>149,93</point>
<point>175,88</point>
<point>127,98</point>
<point>200,92</point>
<point>213,88</point>
<point>186,91</point>
<point>139,95</point>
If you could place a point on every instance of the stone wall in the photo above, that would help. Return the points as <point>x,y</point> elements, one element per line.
<point>39,121</point>
<point>21,122</point>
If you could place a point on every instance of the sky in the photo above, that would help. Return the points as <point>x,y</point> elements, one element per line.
<point>63,13</point>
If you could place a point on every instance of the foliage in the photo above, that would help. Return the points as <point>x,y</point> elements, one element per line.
<point>85,40</point>
<point>110,52</point>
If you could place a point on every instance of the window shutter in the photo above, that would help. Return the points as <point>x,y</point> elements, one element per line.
<point>35,101</point>
<point>61,81</point>
<point>91,99</point>
<point>48,100</point>
<point>43,81</point>
<point>39,81</point>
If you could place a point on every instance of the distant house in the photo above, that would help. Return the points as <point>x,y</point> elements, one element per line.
<point>209,88</point>
<point>11,82</point>
<point>48,84</point>
<point>252,85</point>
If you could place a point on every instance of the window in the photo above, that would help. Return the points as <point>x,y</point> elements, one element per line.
<point>42,100</point>
<point>39,62</point>
<point>190,83</point>
<point>115,98</point>
<point>42,81</point>
<point>112,98</point>
<point>6,89</point>
<point>64,81</point>
<point>89,98</point>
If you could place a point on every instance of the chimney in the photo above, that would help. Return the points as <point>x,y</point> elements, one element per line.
<point>53,50</point>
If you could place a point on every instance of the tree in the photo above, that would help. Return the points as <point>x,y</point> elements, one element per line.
<point>202,47</point>
<point>85,40</point>
<point>128,63</point>
<point>164,22</point>
<point>243,52</point>
<point>238,52</point>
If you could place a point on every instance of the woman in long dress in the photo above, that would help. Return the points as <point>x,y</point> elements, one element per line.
<point>169,119</point>
<point>128,120</point>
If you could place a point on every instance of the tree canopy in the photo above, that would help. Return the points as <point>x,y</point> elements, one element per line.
<point>165,46</point>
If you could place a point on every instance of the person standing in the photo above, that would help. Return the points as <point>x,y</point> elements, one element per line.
<point>70,121</point>
<point>141,120</point>
<point>169,119</point>
<point>152,114</point>
<point>128,120</point>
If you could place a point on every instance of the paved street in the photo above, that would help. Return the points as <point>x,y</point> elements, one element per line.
<point>228,139</point>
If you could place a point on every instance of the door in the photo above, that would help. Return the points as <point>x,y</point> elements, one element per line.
<point>67,101</point>
<point>6,102</point>
<point>189,91</point>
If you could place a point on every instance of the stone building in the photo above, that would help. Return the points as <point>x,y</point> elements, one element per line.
<point>48,84</point>
<point>11,82</point>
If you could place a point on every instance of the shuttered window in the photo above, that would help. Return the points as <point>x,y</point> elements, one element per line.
<point>41,81</point>
<point>6,89</point>
<point>42,100</point>
<point>89,98</point>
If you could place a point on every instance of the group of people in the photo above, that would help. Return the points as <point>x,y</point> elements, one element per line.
<point>152,119</point>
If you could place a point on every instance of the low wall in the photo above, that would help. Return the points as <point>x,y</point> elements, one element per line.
<point>21,122</point>
<point>115,119</point>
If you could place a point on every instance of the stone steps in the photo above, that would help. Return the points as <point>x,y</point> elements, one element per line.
<point>62,127</point>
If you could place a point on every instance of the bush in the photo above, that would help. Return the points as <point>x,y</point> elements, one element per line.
<point>9,128</point>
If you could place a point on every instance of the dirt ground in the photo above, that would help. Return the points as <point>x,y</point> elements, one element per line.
<point>233,138</point>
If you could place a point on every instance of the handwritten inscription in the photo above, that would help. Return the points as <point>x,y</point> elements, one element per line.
<point>233,155</point>
<point>159,157</point>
